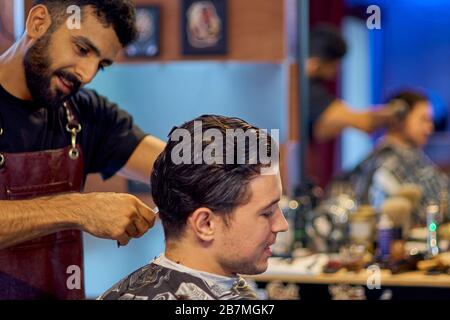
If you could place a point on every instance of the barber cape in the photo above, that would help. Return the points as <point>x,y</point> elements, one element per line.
<point>163,279</point>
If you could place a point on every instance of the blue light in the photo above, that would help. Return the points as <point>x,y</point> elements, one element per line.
<point>19,18</point>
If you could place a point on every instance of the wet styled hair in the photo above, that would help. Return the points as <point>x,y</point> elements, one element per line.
<point>179,189</point>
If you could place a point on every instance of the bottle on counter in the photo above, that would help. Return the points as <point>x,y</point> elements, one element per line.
<point>363,227</point>
<point>385,237</point>
<point>433,213</point>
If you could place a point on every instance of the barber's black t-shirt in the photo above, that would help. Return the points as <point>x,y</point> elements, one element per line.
<point>319,100</point>
<point>108,136</point>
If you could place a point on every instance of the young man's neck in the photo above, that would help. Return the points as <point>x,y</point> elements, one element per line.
<point>194,257</point>
<point>12,73</point>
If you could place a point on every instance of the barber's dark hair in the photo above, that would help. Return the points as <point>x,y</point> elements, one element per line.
<point>121,14</point>
<point>327,43</point>
<point>179,189</point>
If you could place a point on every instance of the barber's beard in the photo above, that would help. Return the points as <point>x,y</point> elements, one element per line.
<point>38,75</point>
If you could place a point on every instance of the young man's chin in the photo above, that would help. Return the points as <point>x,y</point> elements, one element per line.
<point>260,268</point>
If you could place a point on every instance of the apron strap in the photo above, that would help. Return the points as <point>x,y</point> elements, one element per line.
<point>73,126</point>
<point>72,119</point>
<point>2,157</point>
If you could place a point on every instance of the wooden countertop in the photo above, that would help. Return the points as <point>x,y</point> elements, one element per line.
<point>409,279</point>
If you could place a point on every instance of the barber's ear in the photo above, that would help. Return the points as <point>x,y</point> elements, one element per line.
<point>38,22</point>
<point>203,223</point>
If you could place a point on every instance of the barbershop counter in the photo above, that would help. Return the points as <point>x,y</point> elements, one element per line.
<point>305,280</point>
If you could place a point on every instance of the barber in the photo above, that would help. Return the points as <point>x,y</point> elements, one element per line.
<point>53,133</point>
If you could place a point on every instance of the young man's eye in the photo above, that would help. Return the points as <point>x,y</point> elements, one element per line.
<point>268,213</point>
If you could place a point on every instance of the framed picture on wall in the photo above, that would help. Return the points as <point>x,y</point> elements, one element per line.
<point>148,40</point>
<point>204,27</point>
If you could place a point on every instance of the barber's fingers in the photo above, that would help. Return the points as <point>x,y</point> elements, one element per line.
<point>147,214</point>
<point>131,230</point>
<point>123,240</point>
<point>141,227</point>
<point>135,229</point>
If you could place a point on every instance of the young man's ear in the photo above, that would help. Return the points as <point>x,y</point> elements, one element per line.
<point>38,22</point>
<point>203,222</point>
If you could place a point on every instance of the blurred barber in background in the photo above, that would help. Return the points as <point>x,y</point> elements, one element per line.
<point>329,115</point>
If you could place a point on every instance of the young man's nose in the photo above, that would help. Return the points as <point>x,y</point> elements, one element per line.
<point>280,224</point>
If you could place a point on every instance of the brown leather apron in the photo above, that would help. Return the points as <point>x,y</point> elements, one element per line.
<point>39,269</point>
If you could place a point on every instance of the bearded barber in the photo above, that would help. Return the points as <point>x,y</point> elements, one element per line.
<point>52,134</point>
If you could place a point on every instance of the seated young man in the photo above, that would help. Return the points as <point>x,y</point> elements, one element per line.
<point>220,217</point>
<point>398,159</point>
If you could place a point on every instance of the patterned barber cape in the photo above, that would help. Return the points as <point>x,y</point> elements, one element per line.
<point>389,166</point>
<point>163,279</point>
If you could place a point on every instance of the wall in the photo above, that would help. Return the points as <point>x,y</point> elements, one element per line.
<point>255,30</point>
<point>412,50</point>
<point>356,88</point>
<point>6,24</point>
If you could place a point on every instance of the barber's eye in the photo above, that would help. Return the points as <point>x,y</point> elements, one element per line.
<point>82,51</point>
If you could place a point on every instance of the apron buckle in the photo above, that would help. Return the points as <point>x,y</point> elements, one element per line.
<point>74,153</point>
<point>74,129</point>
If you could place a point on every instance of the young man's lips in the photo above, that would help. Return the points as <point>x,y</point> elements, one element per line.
<point>269,249</point>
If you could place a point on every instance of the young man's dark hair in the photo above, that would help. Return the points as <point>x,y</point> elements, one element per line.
<point>121,14</point>
<point>179,189</point>
<point>327,43</point>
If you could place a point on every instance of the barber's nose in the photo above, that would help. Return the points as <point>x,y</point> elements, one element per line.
<point>87,71</point>
<point>280,224</point>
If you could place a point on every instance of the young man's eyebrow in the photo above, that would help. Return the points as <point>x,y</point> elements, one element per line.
<point>270,204</point>
<point>85,41</point>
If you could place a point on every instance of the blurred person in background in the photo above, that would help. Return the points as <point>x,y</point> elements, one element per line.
<point>398,158</point>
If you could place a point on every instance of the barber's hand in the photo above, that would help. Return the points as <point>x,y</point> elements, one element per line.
<point>383,117</point>
<point>114,216</point>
